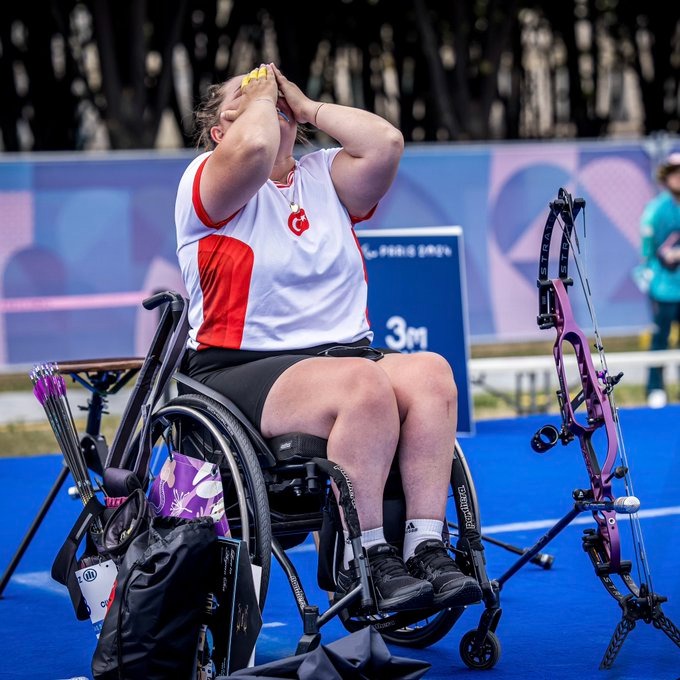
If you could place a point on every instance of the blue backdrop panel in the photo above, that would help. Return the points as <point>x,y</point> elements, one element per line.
<point>416,298</point>
<point>86,237</point>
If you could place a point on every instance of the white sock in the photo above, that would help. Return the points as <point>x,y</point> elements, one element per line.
<point>419,530</point>
<point>369,538</point>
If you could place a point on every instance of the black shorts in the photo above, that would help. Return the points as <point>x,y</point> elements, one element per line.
<point>246,376</point>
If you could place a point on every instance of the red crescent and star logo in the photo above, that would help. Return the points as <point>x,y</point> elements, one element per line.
<point>298,222</point>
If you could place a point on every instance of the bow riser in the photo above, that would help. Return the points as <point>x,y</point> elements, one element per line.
<point>598,408</point>
<point>598,415</point>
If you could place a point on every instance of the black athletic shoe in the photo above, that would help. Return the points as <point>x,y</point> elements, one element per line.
<point>452,588</point>
<point>394,588</point>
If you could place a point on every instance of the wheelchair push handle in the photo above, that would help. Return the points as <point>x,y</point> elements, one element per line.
<point>175,300</point>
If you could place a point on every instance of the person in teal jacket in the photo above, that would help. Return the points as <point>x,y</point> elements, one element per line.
<point>660,231</point>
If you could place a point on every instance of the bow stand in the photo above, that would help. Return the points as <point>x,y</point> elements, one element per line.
<point>596,395</point>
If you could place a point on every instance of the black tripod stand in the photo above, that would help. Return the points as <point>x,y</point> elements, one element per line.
<point>103,378</point>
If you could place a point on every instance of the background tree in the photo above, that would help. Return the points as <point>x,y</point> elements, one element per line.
<point>125,74</point>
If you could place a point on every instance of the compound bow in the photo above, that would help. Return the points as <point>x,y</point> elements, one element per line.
<point>596,394</point>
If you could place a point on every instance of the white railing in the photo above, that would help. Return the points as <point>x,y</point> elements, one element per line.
<point>527,383</point>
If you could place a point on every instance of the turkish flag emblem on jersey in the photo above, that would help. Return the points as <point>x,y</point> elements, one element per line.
<point>298,222</point>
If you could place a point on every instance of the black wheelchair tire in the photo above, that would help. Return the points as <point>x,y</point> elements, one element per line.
<point>484,659</point>
<point>418,635</point>
<point>239,446</point>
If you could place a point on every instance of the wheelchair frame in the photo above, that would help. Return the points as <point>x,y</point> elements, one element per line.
<point>252,475</point>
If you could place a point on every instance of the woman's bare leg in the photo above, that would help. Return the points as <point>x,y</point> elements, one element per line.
<point>350,402</point>
<point>427,399</point>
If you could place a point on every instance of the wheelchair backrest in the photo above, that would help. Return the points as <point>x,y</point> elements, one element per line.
<point>162,360</point>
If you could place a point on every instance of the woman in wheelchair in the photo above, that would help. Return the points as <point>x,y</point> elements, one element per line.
<point>278,295</point>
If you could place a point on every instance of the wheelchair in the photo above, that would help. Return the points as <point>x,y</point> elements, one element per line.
<point>277,492</point>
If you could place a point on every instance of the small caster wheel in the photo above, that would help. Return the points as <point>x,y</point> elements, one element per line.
<point>484,658</point>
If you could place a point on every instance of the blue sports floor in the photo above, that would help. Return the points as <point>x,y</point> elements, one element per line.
<point>555,625</point>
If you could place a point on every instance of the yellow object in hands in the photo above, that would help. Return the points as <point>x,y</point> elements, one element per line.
<point>262,73</point>
<point>250,76</point>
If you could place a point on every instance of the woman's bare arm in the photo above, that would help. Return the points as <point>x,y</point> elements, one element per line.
<point>372,147</point>
<point>247,143</point>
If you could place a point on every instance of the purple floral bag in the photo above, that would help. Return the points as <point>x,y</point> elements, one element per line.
<point>189,488</point>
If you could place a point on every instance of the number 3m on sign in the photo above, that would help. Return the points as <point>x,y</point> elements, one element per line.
<point>405,337</point>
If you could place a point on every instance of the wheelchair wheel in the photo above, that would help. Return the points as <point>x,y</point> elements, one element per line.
<point>418,635</point>
<point>433,626</point>
<point>484,658</point>
<point>197,426</point>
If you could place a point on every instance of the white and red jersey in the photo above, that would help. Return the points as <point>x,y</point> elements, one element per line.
<point>271,277</point>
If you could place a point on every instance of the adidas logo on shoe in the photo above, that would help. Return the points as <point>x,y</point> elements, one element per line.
<point>410,528</point>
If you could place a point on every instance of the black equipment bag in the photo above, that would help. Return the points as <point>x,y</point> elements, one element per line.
<point>151,628</point>
<point>166,566</point>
